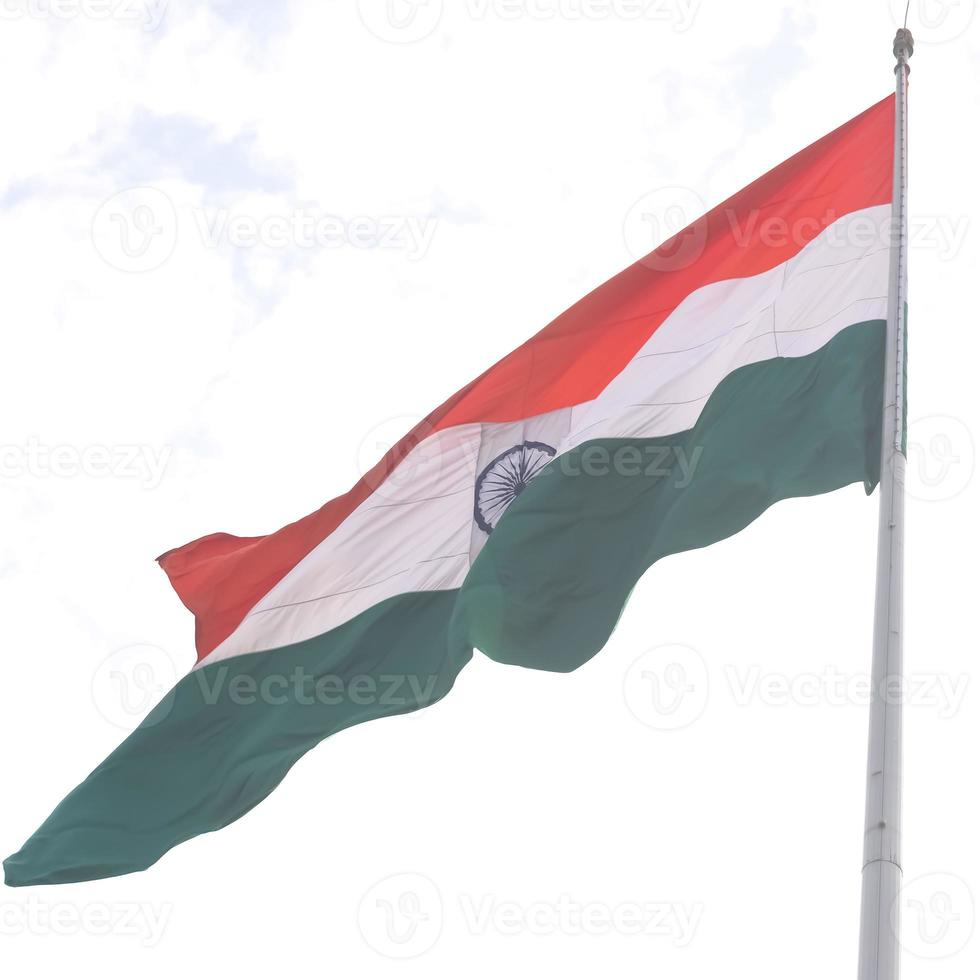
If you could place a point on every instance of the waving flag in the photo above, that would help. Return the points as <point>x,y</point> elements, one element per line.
<point>739,364</point>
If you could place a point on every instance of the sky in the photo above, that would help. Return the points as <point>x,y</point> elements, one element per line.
<point>246,245</point>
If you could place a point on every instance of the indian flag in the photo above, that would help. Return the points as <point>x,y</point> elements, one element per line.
<point>739,364</point>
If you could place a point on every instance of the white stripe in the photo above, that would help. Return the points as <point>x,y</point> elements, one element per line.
<point>417,530</point>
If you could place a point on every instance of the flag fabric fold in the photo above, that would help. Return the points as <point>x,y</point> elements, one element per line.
<point>737,365</point>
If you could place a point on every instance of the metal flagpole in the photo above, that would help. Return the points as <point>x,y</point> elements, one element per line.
<point>881,876</point>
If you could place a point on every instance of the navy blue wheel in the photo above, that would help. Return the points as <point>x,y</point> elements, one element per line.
<point>504,479</point>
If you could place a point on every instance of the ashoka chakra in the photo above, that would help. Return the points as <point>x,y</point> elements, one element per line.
<point>505,478</point>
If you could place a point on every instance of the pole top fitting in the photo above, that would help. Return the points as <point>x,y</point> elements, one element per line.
<point>903,45</point>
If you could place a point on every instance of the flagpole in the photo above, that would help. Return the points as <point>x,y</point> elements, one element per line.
<point>881,876</point>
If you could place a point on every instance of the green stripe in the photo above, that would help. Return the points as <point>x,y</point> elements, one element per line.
<point>229,732</point>
<point>545,592</point>
<point>549,586</point>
